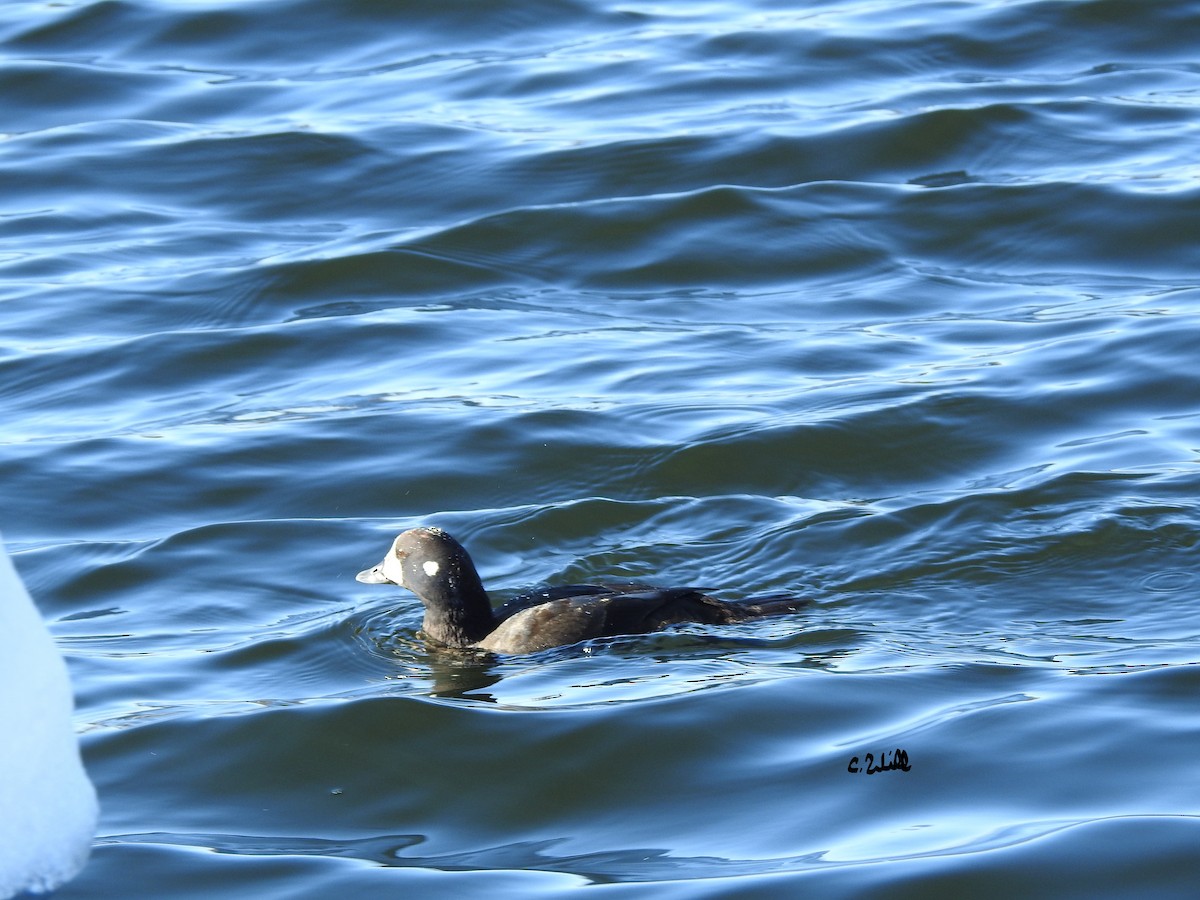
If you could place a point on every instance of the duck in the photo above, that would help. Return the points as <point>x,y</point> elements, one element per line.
<point>459,614</point>
<point>48,805</point>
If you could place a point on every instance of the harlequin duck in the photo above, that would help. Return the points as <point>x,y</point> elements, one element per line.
<point>435,567</point>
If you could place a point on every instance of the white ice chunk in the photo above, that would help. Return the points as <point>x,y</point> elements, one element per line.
<point>47,804</point>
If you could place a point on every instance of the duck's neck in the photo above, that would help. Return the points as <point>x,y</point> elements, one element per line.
<point>461,619</point>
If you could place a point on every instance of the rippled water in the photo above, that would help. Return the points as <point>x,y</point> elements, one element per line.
<point>892,304</point>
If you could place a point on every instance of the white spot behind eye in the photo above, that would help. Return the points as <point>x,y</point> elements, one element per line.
<point>431,567</point>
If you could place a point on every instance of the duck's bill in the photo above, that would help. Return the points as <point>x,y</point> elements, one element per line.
<point>373,575</point>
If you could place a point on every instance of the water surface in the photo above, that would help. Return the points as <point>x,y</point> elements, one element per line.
<point>893,305</point>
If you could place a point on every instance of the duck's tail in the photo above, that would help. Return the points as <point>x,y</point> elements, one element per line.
<point>777,604</point>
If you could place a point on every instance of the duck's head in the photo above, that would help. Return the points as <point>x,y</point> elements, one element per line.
<point>420,559</point>
<point>436,568</point>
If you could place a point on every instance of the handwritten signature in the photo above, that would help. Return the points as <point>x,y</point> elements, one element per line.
<point>889,761</point>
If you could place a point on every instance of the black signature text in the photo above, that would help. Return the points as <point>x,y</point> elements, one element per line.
<point>889,761</point>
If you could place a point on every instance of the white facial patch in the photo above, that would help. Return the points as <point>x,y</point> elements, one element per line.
<point>431,567</point>
<point>393,569</point>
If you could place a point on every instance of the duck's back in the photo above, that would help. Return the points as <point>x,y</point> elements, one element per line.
<point>541,595</point>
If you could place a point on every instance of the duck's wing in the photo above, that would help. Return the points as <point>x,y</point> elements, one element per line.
<point>627,609</point>
<point>555,623</point>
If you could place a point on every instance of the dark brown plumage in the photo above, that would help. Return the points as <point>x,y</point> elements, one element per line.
<point>458,613</point>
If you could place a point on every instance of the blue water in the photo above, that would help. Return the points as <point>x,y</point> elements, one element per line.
<point>892,304</point>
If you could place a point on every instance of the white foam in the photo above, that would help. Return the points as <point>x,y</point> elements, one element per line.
<point>47,804</point>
